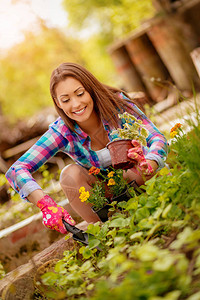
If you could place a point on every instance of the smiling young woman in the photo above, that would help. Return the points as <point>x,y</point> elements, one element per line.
<point>88,113</point>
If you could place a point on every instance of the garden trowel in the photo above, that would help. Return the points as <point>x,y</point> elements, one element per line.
<point>78,234</point>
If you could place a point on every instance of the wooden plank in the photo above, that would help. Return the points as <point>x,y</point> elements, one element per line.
<point>3,165</point>
<point>19,148</point>
<point>195,55</point>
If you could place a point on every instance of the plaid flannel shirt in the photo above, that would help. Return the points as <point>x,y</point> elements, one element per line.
<point>77,145</point>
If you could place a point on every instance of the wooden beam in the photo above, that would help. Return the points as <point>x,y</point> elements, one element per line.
<point>195,55</point>
<point>3,165</point>
<point>19,148</point>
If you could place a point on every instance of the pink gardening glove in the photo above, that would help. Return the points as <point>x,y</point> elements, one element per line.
<point>53,214</point>
<point>136,153</point>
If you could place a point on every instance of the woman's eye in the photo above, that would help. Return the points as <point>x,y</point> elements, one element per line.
<point>80,94</point>
<point>65,100</point>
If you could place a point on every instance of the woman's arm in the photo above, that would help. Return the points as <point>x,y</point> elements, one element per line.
<point>20,173</point>
<point>157,146</point>
<point>20,177</point>
<point>35,196</point>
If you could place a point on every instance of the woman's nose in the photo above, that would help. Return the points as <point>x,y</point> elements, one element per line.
<point>75,102</point>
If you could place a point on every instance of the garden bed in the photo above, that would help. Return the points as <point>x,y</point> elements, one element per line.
<point>150,247</point>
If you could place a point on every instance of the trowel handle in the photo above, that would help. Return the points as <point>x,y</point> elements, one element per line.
<point>71,228</point>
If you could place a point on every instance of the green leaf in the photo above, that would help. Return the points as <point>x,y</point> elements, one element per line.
<point>82,249</point>
<point>90,287</point>
<point>164,171</point>
<point>132,204</point>
<point>145,223</point>
<point>164,263</point>
<point>103,232</point>
<point>153,229</point>
<point>49,278</point>
<point>142,213</point>
<point>174,295</point>
<point>122,204</point>
<point>151,202</point>
<point>86,266</point>
<point>181,238</point>
<point>147,252</point>
<point>136,235</point>
<point>93,243</point>
<point>118,240</point>
<point>112,232</point>
<point>166,210</point>
<point>74,291</point>
<point>87,253</point>
<point>174,212</point>
<point>157,213</point>
<point>93,228</point>
<point>119,222</point>
<point>60,267</point>
<point>195,296</point>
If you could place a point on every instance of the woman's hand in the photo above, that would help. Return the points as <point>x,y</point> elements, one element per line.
<point>53,214</point>
<point>137,155</point>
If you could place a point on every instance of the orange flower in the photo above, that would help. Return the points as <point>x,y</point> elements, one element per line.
<point>91,170</point>
<point>94,170</point>
<point>97,171</point>
<point>176,126</point>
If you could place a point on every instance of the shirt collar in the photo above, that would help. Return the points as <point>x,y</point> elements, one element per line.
<point>81,135</point>
<point>61,127</point>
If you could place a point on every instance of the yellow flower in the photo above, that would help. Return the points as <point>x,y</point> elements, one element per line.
<point>84,196</point>
<point>110,174</point>
<point>111,182</point>
<point>173,134</point>
<point>82,189</point>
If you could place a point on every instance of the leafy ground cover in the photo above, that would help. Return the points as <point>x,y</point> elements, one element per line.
<point>150,245</point>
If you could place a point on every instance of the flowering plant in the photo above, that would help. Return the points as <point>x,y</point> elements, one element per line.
<point>132,129</point>
<point>104,187</point>
<point>176,130</point>
<point>96,195</point>
<point>116,182</point>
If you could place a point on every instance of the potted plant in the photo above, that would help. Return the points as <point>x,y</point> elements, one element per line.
<point>105,190</point>
<point>132,129</point>
<point>96,196</point>
<point>118,186</point>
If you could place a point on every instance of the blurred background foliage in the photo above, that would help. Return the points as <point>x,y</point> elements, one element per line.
<point>25,68</point>
<point>112,19</point>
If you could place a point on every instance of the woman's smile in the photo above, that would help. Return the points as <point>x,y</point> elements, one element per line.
<point>81,111</point>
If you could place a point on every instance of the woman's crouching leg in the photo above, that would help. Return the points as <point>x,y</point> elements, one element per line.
<point>72,178</point>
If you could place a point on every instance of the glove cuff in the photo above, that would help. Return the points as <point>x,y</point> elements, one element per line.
<point>45,202</point>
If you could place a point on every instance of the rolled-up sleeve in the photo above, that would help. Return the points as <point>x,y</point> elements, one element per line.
<point>157,146</point>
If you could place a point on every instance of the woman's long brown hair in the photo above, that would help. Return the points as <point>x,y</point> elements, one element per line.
<point>107,102</point>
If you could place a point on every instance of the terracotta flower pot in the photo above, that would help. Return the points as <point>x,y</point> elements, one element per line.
<point>118,152</point>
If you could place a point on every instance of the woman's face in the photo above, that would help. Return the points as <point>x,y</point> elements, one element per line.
<point>74,100</point>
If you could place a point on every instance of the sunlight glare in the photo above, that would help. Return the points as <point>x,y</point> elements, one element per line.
<point>18,16</point>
